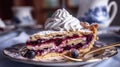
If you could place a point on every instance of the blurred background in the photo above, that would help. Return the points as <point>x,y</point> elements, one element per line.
<point>43,9</point>
<point>21,18</point>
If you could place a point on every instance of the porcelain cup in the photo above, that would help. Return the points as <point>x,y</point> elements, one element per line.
<point>97,11</point>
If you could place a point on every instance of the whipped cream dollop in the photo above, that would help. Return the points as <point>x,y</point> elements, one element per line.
<point>61,20</point>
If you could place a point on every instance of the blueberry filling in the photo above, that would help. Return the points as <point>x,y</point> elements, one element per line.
<point>61,49</point>
<point>79,45</point>
<point>88,38</point>
<point>58,41</point>
<point>39,41</point>
<point>68,47</point>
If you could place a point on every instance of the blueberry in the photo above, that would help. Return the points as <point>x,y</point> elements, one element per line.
<point>67,47</point>
<point>58,42</point>
<point>74,53</point>
<point>30,54</point>
<point>32,42</point>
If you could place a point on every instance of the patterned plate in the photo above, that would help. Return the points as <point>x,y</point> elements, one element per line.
<point>13,54</point>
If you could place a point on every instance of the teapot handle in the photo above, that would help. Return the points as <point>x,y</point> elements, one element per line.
<point>115,9</point>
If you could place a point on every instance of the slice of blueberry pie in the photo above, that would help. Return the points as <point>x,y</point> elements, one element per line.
<point>63,33</point>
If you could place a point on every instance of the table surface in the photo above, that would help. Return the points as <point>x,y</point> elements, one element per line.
<point>9,39</point>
